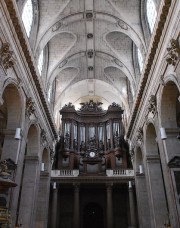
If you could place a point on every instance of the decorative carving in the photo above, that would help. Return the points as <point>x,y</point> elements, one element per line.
<point>122,25</point>
<point>92,147</point>
<point>68,106</point>
<point>30,106</point>
<point>116,139</point>
<point>67,141</point>
<point>114,107</point>
<point>174,162</point>
<point>52,153</point>
<point>43,137</point>
<point>90,53</point>
<point>131,152</point>
<point>91,106</point>
<point>3,167</point>
<point>152,106</point>
<point>162,82</point>
<point>89,35</point>
<point>56,26</point>
<point>101,146</point>
<point>140,134</point>
<point>118,62</point>
<point>173,52</point>
<point>6,56</point>
<point>90,68</point>
<point>89,15</point>
<point>6,166</point>
<point>92,143</point>
<point>63,63</point>
<point>92,151</point>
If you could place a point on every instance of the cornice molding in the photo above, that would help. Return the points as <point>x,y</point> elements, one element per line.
<point>157,37</point>
<point>29,58</point>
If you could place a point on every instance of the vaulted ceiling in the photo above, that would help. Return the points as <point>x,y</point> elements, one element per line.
<point>92,47</point>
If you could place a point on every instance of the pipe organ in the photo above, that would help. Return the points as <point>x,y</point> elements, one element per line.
<point>92,139</point>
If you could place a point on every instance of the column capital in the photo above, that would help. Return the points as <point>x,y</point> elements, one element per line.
<point>76,187</point>
<point>109,185</point>
<point>152,158</point>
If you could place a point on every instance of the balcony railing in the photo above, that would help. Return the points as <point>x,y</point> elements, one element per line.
<point>120,172</point>
<point>109,173</point>
<point>65,173</point>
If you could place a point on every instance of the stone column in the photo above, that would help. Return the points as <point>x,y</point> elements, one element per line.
<point>43,200</point>
<point>76,207</point>
<point>132,206</point>
<point>142,201</point>
<point>54,207</point>
<point>109,206</point>
<point>156,191</point>
<point>29,192</point>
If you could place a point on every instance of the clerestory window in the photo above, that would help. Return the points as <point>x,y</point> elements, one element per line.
<point>140,60</point>
<point>27,16</point>
<point>49,93</point>
<point>40,62</point>
<point>151,14</point>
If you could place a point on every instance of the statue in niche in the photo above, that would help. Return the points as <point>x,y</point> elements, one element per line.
<point>67,141</point>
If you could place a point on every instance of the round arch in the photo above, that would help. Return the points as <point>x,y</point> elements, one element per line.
<point>170,106</point>
<point>101,88</point>
<point>155,179</point>
<point>93,216</point>
<point>151,141</point>
<point>45,160</point>
<point>138,160</point>
<point>12,114</point>
<point>33,140</point>
<point>30,178</point>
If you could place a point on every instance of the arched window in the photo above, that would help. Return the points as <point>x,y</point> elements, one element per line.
<point>140,60</point>
<point>49,93</point>
<point>151,14</point>
<point>40,62</point>
<point>27,16</point>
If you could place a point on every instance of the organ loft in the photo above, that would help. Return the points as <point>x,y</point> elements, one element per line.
<point>94,155</point>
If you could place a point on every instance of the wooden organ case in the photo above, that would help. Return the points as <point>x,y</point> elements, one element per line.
<point>92,139</point>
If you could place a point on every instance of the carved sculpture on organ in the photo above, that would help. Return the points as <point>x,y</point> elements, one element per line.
<point>93,139</point>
